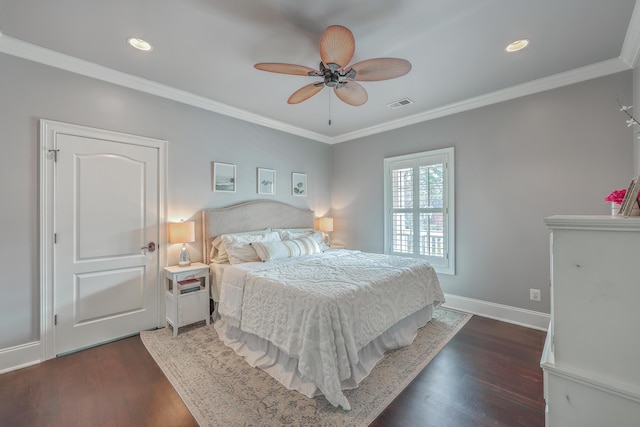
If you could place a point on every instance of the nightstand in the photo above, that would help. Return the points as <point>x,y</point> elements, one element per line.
<point>336,246</point>
<point>186,295</point>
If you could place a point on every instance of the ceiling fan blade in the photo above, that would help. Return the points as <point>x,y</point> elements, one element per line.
<point>276,67</point>
<point>352,93</point>
<point>305,93</point>
<point>380,69</point>
<point>337,46</point>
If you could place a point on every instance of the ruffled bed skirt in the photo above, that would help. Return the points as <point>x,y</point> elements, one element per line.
<point>266,356</point>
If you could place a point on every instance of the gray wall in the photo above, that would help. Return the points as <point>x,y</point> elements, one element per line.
<point>556,152</point>
<point>31,91</point>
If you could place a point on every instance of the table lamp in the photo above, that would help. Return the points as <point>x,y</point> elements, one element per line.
<point>183,232</point>
<point>325,225</point>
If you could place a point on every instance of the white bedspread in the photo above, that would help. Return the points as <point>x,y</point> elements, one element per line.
<point>323,309</point>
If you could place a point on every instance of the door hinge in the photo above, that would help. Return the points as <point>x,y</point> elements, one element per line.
<point>54,154</point>
<point>55,238</point>
<point>55,320</point>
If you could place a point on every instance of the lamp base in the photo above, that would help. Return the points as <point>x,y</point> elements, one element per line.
<point>185,260</point>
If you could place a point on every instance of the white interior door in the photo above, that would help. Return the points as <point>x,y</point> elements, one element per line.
<point>106,218</point>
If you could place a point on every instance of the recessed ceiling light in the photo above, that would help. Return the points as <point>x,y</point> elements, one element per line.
<point>517,45</point>
<point>139,44</point>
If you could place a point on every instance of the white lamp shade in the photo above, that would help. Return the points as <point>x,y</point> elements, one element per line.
<point>182,232</point>
<point>325,224</point>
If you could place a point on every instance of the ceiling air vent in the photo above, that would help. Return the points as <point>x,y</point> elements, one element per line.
<point>399,104</point>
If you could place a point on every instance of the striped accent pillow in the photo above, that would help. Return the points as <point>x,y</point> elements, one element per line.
<point>268,251</point>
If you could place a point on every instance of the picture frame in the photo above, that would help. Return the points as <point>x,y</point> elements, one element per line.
<point>630,198</point>
<point>299,184</point>
<point>224,177</point>
<point>266,181</point>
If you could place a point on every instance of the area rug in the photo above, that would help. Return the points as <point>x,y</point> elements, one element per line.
<point>221,389</point>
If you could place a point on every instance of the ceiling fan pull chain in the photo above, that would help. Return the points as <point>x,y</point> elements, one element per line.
<point>329,107</point>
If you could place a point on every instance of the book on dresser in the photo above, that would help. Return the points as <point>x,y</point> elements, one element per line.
<point>189,285</point>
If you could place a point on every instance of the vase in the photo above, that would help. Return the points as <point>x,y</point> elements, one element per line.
<point>614,209</point>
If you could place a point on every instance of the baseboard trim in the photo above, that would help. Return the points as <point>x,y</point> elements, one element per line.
<point>24,355</point>
<point>20,356</point>
<point>518,316</point>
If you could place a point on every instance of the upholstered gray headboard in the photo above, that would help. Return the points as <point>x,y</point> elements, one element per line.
<point>248,216</point>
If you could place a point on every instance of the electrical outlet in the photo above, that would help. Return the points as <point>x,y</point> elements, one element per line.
<point>534,294</point>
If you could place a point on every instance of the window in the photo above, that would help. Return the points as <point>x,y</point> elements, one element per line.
<point>418,207</point>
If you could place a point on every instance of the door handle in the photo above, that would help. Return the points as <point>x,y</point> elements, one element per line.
<point>150,247</point>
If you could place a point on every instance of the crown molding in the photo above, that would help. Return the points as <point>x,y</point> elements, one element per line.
<point>552,82</point>
<point>28,51</point>
<point>630,52</point>
<point>62,61</point>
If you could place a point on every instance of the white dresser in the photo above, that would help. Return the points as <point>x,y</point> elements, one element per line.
<point>591,359</point>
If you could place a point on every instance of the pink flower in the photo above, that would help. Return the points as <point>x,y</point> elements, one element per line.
<point>617,196</point>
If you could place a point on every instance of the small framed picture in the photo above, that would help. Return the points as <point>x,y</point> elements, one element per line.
<point>630,198</point>
<point>224,177</point>
<point>299,184</point>
<point>266,181</point>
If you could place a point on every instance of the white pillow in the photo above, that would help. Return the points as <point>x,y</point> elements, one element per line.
<point>315,235</point>
<point>286,233</point>
<point>239,248</point>
<point>268,251</point>
<point>218,251</point>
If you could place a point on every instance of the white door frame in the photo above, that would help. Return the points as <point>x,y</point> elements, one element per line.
<point>48,132</point>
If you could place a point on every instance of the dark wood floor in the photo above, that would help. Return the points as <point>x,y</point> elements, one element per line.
<point>487,375</point>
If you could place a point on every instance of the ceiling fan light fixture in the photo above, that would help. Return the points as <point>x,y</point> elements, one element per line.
<point>337,46</point>
<point>331,81</point>
<point>517,45</point>
<point>139,44</point>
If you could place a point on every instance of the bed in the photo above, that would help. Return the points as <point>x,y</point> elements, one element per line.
<point>316,319</point>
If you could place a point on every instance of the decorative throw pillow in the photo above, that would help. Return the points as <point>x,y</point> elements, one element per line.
<point>239,248</point>
<point>315,235</point>
<point>268,251</point>
<point>219,253</point>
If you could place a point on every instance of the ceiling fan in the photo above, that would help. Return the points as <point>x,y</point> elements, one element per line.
<point>337,46</point>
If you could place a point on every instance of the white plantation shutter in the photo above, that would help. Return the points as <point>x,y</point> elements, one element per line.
<point>419,207</point>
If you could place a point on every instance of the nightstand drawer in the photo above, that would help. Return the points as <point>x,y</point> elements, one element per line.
<point>187,275</point>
